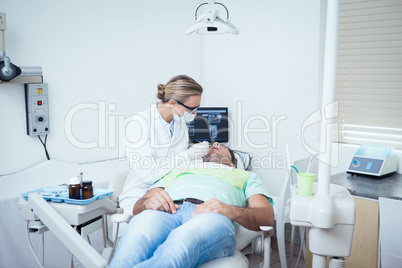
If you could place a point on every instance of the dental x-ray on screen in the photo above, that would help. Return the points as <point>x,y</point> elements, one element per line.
<point>210,124</point>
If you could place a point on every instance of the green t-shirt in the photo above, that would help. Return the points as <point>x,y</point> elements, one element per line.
<point>205,183</point>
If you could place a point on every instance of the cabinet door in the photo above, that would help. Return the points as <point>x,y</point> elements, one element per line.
<point>365,238</point>
<point>390,232</point>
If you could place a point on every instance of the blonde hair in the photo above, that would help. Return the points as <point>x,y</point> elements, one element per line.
<point>178,88</point>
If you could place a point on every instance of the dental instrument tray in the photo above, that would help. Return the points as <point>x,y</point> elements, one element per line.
<point>374,160</point>
<point>59,194</point>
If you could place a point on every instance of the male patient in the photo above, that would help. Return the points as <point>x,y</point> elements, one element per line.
<point>187,218</point>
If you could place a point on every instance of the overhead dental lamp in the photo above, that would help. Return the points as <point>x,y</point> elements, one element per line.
<point>11,72</point>
<point>211,21</point>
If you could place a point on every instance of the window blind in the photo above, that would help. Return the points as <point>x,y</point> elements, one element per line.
<point>369,72</point>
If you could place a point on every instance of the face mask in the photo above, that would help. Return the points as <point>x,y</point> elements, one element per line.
<point>188,117</point>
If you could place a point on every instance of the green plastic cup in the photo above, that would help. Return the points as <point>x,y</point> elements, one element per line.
<point>305,183</point>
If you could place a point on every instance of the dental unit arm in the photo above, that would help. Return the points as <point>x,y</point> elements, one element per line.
<point>9,71</point>
<point>330,213</point>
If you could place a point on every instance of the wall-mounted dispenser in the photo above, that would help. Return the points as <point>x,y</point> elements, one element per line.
<point>37,109</point>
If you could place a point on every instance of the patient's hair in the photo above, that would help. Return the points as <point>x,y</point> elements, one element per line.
<point>178,88</point>
<point>232,155</point>
<point>233,159</point>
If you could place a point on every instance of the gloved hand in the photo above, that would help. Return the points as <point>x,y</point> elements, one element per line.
<point>198,150</point>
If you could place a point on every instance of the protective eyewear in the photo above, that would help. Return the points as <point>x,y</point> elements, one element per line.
<point>192,109</point>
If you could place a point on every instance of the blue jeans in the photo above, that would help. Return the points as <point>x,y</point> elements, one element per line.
<point>159,239</point>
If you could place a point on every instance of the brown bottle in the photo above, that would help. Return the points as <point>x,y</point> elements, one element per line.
<point>87,190</point>
<point>74,188</point>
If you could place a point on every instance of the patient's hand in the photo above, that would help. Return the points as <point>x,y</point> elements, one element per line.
<point>161,201</point>
<point>214,206</point>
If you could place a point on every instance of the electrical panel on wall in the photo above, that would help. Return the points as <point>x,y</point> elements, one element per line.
<point>37,109</point>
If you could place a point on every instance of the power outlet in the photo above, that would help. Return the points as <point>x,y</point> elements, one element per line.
<point>37,109</point>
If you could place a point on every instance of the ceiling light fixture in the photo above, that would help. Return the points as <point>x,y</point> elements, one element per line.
<point>211,21</point>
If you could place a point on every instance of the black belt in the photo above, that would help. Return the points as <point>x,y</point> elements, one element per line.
<point>189,200</point>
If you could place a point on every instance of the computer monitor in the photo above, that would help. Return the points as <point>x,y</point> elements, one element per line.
<point>210,124</point>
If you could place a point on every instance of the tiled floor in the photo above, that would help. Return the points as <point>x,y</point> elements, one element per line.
<point>275,261</point>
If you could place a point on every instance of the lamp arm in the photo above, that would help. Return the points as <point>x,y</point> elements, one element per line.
<point>227,11</point>
<point>2,43</point>
<point>211,4</point>
<point>8,71</point>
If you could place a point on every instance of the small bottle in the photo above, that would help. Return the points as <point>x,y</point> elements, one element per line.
<point>87,190</point>
<point>74,188</point>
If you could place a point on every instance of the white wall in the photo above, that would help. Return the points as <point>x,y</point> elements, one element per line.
<point>271,72</point>
<point>116,52</point>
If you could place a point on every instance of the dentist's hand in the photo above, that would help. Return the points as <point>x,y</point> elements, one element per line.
<point>198,150</point>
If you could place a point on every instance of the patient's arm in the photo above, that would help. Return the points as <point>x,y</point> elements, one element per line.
<point>156,199</point>
<point>259,211</point>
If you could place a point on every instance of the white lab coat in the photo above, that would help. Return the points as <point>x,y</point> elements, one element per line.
<point>153,153</point>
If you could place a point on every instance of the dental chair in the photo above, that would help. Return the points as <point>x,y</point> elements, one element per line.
<point>247,242</point>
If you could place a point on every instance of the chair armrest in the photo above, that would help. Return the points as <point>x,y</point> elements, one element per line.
<point>262,245</point>
<point>119,218</point>
<point>268,230</point>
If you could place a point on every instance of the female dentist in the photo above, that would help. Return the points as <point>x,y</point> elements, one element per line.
<point>158,138</point>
